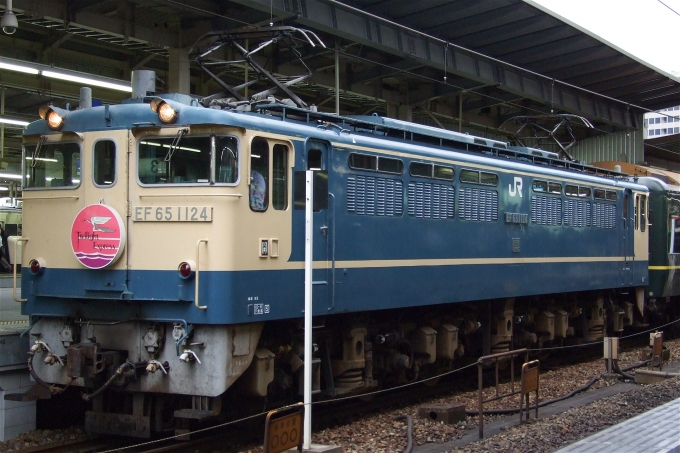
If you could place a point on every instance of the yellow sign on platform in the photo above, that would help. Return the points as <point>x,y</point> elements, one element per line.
<point>283,429</point>
<point>529,377</point>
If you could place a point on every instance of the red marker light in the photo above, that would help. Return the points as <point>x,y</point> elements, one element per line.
<point>186,269</point>
<point>36,266</point>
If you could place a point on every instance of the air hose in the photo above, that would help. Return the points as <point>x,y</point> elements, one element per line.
<point>119,371</point>
<point>409,432</point>
<point>35,375</point>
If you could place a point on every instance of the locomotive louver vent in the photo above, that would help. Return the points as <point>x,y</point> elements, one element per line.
<point>604,215</point>
<point>546,210</point>
<point>431,201</point>
<point>375,196</point>
<point>478,205</point>
<point>576,213</point>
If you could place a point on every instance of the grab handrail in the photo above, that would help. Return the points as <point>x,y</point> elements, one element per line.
<point>14,271</point>
<point>198,266</point>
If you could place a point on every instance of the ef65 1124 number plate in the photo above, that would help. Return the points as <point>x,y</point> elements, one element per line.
<point>172,213</point>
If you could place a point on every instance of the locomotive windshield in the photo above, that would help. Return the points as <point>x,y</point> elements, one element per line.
<point>53,165</point>
<point>188,160</point>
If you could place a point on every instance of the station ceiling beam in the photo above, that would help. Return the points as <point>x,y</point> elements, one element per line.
<point>386,36</point>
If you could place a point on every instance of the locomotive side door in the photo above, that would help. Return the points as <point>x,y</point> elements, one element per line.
<point>317,158</point>
<point>628,236</point>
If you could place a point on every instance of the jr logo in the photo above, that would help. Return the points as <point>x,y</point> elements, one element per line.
<point>516,187</point>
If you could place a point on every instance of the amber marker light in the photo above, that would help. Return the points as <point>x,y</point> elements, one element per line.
<point>36,265</point>
<point>186,269</point>
<point>166,113</point>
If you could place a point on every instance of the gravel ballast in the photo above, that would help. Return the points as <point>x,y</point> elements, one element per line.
<point>382,433</point>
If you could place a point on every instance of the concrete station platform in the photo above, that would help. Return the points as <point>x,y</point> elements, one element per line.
<point>631,430</point>
<point>655,431</point>
<point>15,417</point>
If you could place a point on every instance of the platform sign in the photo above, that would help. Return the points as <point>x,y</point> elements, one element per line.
<point>529,384</point>
<point>284,429</point>
<point>530,377</point>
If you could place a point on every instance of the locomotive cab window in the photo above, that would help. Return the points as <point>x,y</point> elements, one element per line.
<point>52,165</point>
<point>280,177</point>
<point>264,180</point>
<point>259,175</point>
<point>188,160</point>
<point>104,162</point>
<point>226,160</point>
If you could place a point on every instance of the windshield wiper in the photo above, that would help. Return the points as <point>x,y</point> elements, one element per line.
<point>175,143</point>
<point>36,151</point>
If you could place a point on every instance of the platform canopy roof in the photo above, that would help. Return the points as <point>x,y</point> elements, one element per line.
<point>491,60</point>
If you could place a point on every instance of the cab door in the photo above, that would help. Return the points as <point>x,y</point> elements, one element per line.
<point>317,157</point>
<point>104,184</point>
<point>640,234</point>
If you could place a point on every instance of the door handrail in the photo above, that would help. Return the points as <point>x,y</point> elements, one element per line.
<point>198,268</point>
<point>14,271</point>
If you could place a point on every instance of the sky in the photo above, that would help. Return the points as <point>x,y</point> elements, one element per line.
<point>644,28</point>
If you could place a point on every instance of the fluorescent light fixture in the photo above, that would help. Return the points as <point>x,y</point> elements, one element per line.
<point>11,64</point>
<point>46,159</point>
<point>193,150</point>
<point>13,122</point>
<point>9,176</point>
<point>4,189</point>
<point>18,68</point>
<point>87,81</point>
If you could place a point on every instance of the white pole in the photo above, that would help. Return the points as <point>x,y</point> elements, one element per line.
<point>309,228</point>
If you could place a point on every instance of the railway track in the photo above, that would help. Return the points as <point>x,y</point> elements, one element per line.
<point>88,444</point>
<point>248,435</point>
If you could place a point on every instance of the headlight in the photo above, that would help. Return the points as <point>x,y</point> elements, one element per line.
<point>54,120</point>
<point>53,115</point>
<point>166,113</point>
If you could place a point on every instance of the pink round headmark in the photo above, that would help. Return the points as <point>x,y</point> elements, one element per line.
<point>98,236</point>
